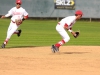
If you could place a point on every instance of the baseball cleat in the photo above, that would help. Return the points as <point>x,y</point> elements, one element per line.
<point>19,33</point>
<point>54,49</point>
<point>57,49</point>
<point>3,45</point>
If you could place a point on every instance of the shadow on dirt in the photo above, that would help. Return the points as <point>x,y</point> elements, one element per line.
<point>74,52</point>
<point>19,47</point>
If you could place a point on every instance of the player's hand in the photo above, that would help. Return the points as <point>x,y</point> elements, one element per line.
<point>73,33</point>
<point>76,34</point>
<point>2,17</point>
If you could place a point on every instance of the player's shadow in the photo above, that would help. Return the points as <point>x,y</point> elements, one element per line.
<point>22,47</point>
<point>74,52</point>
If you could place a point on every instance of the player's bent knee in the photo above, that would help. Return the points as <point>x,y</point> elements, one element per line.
<point>67,39</point>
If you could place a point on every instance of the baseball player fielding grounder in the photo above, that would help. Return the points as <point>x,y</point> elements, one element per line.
<point>66,24</point>
<point>18,16</point>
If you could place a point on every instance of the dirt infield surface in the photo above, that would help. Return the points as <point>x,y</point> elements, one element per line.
<point>71,60</point>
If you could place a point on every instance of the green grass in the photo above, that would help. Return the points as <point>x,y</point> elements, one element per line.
<point>43,33</point>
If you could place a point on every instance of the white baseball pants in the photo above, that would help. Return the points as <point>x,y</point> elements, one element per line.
<point>11,29</point>
<point>63,33</point>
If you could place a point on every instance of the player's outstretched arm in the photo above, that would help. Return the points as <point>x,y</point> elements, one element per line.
<point>2,16</point>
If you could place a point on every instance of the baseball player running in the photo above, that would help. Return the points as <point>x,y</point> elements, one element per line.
<point>18,16</point>
<point>66,24</point>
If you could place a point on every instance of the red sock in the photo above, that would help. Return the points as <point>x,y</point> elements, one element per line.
<point>60,43</point>
<point>6,41</point>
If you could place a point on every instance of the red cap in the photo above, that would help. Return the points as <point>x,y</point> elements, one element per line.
<point>19,1</point>
<point>79,12</point>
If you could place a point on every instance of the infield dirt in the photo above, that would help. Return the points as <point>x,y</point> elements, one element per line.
<point>71,60</point>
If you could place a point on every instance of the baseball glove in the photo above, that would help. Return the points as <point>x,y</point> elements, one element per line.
<point>18,21</point>
<point>77,34</point>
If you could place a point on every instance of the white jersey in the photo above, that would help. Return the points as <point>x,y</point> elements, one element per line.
<point>16,13</point>
<point>70,20</point>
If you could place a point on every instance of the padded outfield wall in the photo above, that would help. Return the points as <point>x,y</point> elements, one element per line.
<point>45,8</point>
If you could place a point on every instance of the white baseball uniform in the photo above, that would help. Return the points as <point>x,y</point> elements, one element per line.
<point>69,21</point>
<point>66,24</point>
<point>16,14</point>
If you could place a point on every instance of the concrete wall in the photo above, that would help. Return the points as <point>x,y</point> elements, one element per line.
<point>45,8</point>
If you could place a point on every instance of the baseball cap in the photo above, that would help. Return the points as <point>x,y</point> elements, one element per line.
<point>18,1</point>
<point>79,12</point>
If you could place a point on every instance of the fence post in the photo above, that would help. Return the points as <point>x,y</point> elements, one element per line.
<point>90,19</point>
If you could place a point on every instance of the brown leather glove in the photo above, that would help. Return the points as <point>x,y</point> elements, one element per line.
<point>76,34</point>
<point>18,21</point>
